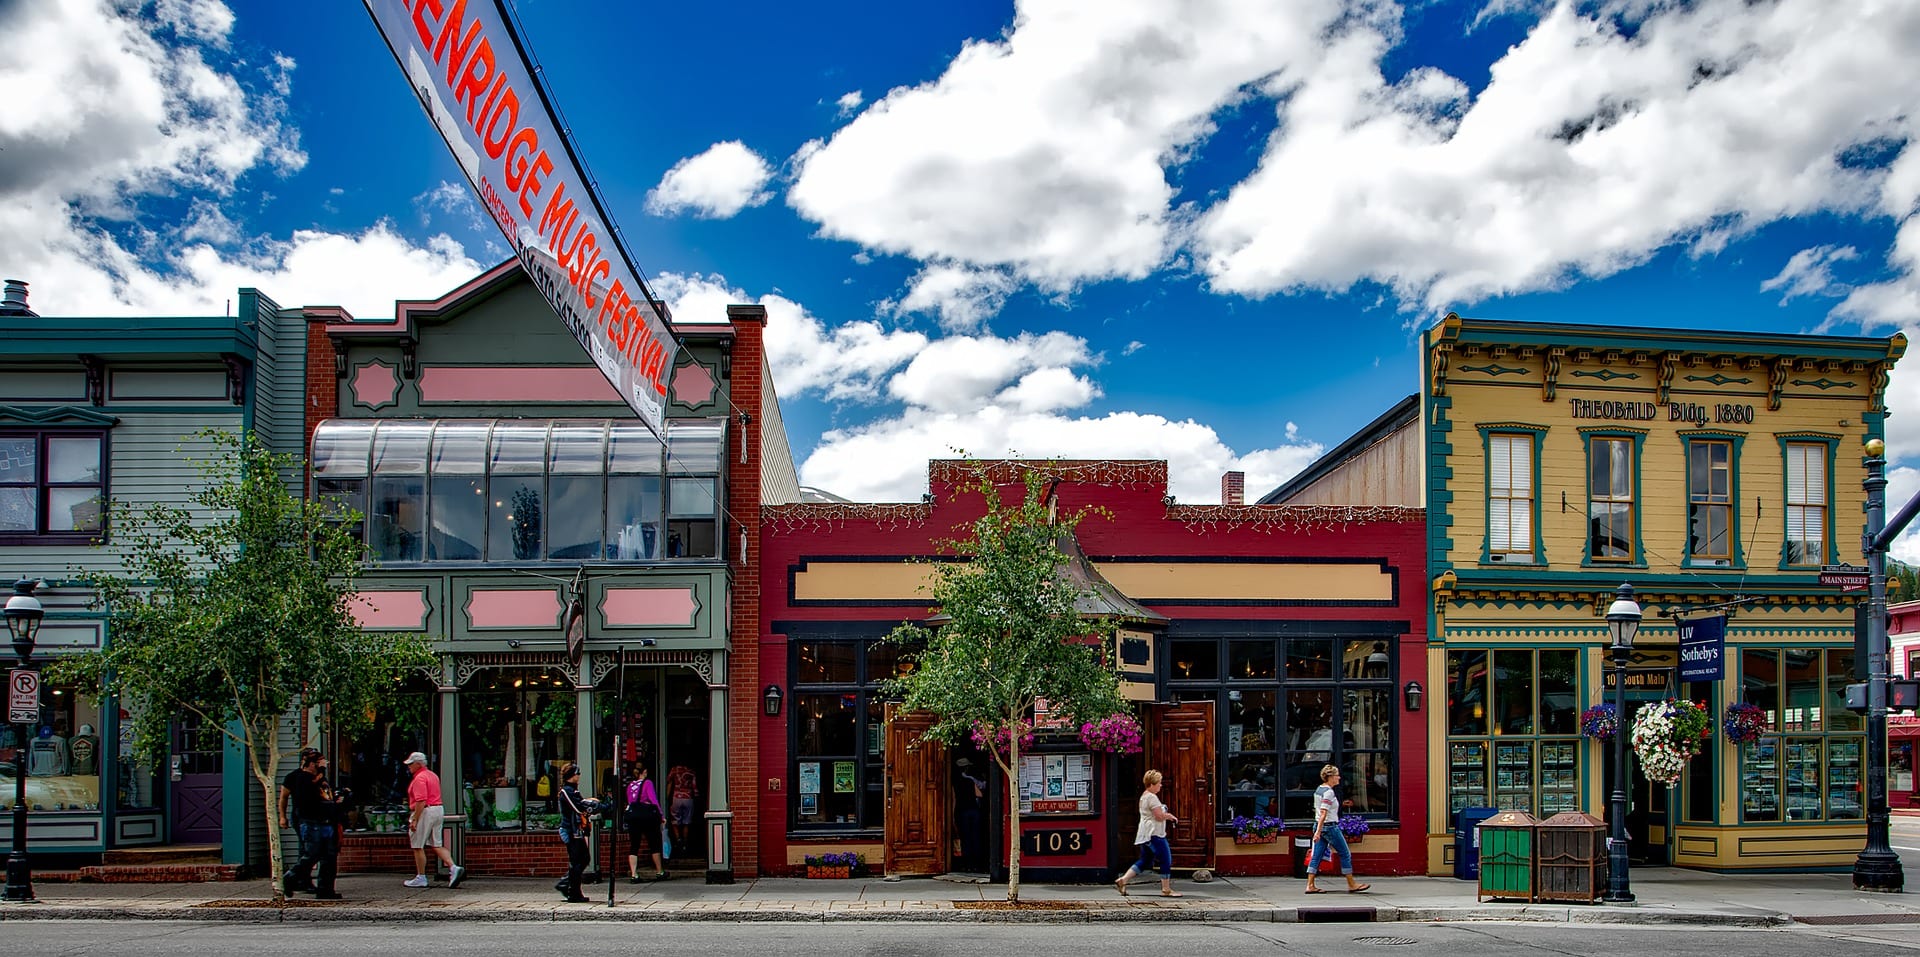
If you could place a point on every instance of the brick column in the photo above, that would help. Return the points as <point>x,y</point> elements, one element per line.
<point>743,504</point>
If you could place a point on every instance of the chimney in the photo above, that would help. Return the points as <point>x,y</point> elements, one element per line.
<point>14,301</point>
<point>1233,488</point>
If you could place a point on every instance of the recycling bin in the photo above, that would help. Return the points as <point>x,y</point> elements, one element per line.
<point>1571,858</point>
<point>1466,841</point>
<point>1506,856</point>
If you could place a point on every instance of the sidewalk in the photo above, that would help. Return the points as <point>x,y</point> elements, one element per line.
<point>1666,896</point>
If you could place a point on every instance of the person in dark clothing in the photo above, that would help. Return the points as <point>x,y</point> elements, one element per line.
<point>576,824</point>
<point>299,799</point>
<point>315,812</point>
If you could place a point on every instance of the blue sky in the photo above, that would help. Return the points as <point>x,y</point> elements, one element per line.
<point>1201,230</point>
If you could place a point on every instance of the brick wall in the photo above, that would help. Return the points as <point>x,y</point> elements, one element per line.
<point>323,386</point>
<point>743,667</point>
<point>533,854</point>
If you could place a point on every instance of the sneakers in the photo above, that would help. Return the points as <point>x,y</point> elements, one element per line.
<point>418,880</point>
<point>454,876</point>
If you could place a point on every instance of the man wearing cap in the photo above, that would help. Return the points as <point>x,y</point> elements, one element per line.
<point>426,819</point>
<point>300,809</point>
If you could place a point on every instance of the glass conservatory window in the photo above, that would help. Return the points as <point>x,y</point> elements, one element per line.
<point>634,494</point>
<point>515,490</point>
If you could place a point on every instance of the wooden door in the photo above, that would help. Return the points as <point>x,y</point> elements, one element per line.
<point>1183,752</point>
<point>917,811</point>
<point>197,770</point>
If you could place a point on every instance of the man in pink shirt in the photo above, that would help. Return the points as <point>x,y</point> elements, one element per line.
<point>426,821</point>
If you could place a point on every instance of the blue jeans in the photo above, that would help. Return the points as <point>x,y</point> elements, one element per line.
<point>1332,840</point>
<point>1155,850</point>
<point>319,849</point>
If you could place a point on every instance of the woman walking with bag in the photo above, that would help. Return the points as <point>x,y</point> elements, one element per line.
<point>1151,838</point>
<point>1327,836</point>
<point>643,821</point>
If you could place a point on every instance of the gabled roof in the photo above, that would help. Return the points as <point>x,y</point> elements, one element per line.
<point>1095,596</point>
<point>1400,416</point>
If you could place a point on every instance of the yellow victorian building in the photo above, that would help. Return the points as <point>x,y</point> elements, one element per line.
<point>1716,473</point>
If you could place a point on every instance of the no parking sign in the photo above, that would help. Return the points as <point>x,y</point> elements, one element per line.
<point>23,696</point>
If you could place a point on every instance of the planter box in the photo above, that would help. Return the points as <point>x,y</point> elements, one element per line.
<point>822,872</point>
<point>1256,839</point>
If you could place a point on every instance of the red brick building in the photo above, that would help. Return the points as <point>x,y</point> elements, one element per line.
<point>1260,642</point>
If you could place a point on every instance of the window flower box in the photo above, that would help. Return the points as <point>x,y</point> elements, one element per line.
<point>836,866</point>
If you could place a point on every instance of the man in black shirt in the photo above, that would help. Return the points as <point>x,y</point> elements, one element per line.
<point>300,795</point>
<point>314,807</point>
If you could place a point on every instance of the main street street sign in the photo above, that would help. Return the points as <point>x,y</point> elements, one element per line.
<point>1848,577</point>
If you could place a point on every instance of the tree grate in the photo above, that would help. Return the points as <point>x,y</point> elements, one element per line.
<point>1861,919</point>
<point>1384,940</point>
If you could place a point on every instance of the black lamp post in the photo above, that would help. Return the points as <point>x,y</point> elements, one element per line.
<point>1623,621</point>
<point>23,624</point>
<point>1878,867</point>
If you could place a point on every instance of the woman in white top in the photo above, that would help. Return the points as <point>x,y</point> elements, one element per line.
<point>1327,836</point>
<point>1151,838</point>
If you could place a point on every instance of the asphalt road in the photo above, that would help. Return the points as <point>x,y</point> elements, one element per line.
<point>188,939</point>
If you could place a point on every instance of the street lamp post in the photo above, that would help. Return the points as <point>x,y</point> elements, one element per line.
<point>1623,622</point>
<point>23,615</point>
<point>1878,867</point>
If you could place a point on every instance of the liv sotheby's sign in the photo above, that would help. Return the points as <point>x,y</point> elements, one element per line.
<point>1703,648</point>
<point>472,76</point>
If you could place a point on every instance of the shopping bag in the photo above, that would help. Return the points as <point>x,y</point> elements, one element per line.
<point>666,843</point>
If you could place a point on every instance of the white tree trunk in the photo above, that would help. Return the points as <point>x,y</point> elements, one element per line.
<point>1013,808</point>
<point>269,789</point>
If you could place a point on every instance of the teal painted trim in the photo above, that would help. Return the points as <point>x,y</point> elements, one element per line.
<point>1639,439</point>
<point>1738,439</point>
<point>1829,549</point>
<point>132,337</point>
<point>1536,434</point>
<point>234,782</point>
<point>1437,428</point>
<point>1510,333</point>
<point>1803,581</point>
<point>79,415</point>
<point>1719,379</point>
<point>1494,369</point>
<point>1604,375</point>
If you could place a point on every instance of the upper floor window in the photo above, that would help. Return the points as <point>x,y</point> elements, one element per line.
<point>52,485</point>
<point>1710,501</point>
<point>1510,497</point>
<point>1610,499</point>
<point>1806,503</point>
<point>525,490</point>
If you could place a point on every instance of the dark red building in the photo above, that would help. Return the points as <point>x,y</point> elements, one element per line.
<point>1260,643</point>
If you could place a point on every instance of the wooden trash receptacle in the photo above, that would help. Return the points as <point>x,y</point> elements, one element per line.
<point>1506,856</point>
<point>1571,848</point>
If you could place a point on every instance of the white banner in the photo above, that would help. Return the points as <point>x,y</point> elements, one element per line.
<point>472,76</point>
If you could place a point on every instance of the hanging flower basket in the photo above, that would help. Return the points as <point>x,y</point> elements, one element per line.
<point>1000,738</point>
<point>1666,735</point>
<point>1744,723</point>
<point>1600,722</point>
<point>1116,734</point>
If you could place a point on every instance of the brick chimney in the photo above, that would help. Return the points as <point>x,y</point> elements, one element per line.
<point>14,301</point>
<point>1233,488</point>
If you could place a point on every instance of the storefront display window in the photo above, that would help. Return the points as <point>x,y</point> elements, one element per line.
<point>372,766</point>
<point>517,730</point>
<point>1528,757</point>
<point>135,788</point>
<point>1285,708</point>
<point>839,730</point>
<point>1810,769</point>
<point>526,490</point>
<point>63,753</point>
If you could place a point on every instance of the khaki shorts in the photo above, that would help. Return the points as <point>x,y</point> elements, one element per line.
<point>433,820</point>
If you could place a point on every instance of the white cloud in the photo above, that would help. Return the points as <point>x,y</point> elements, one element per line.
<point>1133,347</point>
<point>961,297</point>
<point>1591,147</point>
<point>454,199</point>
<point>119,106</point>
<point>849,103</point>
<point>1810,273</point>
<point>716,184</point>
<point>965,372</point>
<point>848,362</point>
<point>1045,152</point>
<point>886,461</point>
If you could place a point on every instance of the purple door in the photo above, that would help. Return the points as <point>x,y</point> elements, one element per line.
<point>195,767</point>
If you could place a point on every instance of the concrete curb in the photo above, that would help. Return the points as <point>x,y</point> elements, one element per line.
<point>646,913</point>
